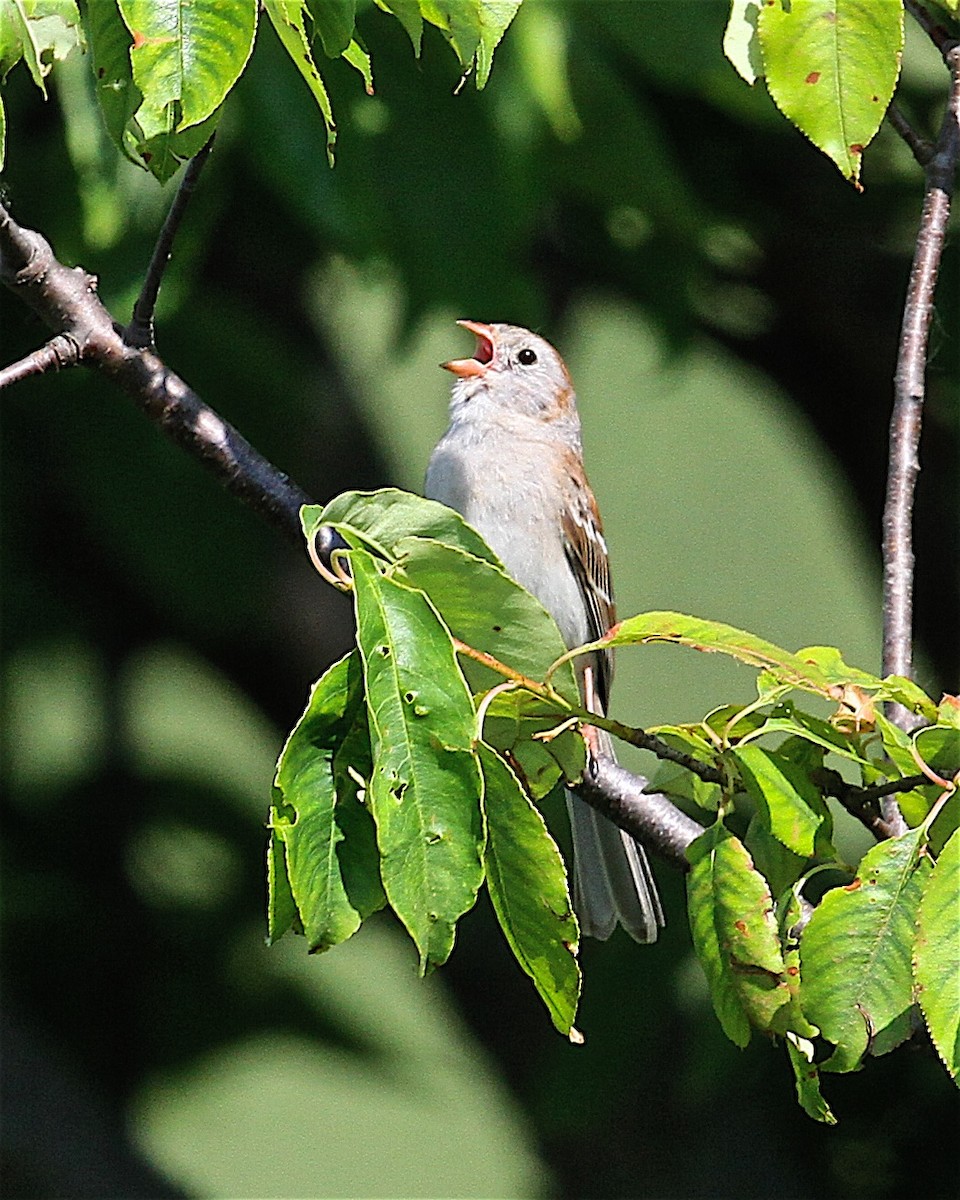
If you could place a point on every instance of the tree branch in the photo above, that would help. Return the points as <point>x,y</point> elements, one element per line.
<point>651,818</point>
<point>909,390</point>
<point>66,300</point>
<point>56,355</point>
<point>140,331</point>
<point>921,147</point>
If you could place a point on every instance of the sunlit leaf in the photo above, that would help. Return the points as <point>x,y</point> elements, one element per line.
<point>117,94</point>
<point>331,854</point>
<point>288,19</point>
<point>807,1076</point>
<point>716,637</point>
<point>378,520</point>
<point>541,749</point>
<point>831,67</point>
<point>741,42</point>
<point>792,804</point>
<point>425,789</point>
<point>856,951</point>
<point>186,56</point>
<point>528,886</point>
<point>735,934</point>
<point>483,607</point>
<point>937,955</point>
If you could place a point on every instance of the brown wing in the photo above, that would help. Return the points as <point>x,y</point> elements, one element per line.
<point>586,552</point>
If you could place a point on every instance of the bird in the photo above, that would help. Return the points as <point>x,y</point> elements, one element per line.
<point>511,463</point>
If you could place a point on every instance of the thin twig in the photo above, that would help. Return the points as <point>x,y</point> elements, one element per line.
<point>861,802</point>
<point>921,147</point>
<point>140,331</point>
<point>931,26</point>
<point>56,355</point>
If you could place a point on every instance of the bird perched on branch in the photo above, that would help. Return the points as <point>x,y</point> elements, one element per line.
<point>511,464</point>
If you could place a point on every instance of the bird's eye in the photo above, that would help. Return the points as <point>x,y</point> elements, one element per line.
<point>526,357</point>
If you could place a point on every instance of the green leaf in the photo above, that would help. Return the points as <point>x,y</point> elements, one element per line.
<point>425,788</point>
<point>334,21</point>
<point>779,866</point>
<point>675,780</point>
<point>855,953</point>
<point>939,748</point>
<point>528,886</point>
<point>40,32</point>
<point>165,152</point>
<point>741,42</point>
<point>735,934</point>
<point>483,607</point>
<point>937,955</point>
<point>716,637</point>
<point>495,17</point>
<point>407,13</point>
<point>811,729</point>
<point>948,710</point>
<point>359,59</point>
<point>378,520</point>
<point>117,94</point>
<point>831,67</point>
<point>186,56</point>
<point>791,803</point>
<point>808,1081</point>
<point>331,853</point>
<point>906,692</point>
<point>288,19</point>
<point>11,37</point>
<point>282,911</point>
<point>473,28</point>
<point>511,725</point>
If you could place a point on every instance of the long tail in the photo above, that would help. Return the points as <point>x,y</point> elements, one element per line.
<point>612,880</point>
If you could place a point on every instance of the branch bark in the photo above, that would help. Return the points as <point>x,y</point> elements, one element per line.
<point>909,391</point>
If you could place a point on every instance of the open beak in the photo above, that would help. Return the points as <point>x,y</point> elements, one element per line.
<point>467,368</point>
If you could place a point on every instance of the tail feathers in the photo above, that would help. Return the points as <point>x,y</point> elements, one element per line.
<point>612,880</point>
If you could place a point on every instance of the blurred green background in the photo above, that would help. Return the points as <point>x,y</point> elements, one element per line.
<point>729,310</point>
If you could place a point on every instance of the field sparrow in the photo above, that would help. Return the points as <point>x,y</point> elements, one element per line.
<point>511,464</point>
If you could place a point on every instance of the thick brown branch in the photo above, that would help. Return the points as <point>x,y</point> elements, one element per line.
<point>652,818</point>
<point>66,300</point>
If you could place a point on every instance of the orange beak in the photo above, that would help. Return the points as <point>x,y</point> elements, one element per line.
<point>467,368</point>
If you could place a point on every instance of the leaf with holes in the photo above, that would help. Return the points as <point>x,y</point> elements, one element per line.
<point>330,852</point>
<point>425,788</point>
